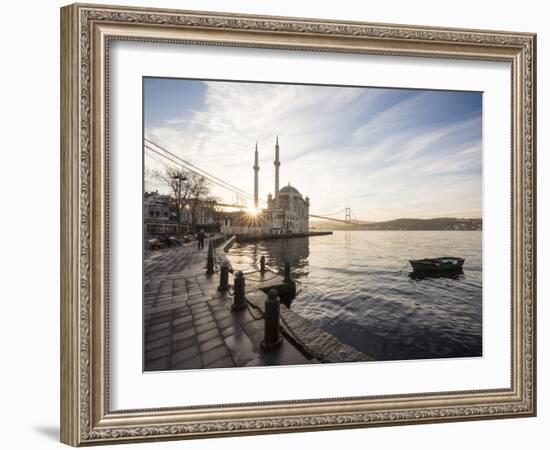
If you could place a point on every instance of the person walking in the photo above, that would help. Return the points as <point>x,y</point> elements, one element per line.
<point>200,238</point>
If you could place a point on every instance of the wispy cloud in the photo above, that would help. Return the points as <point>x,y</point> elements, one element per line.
<point>385,153</point>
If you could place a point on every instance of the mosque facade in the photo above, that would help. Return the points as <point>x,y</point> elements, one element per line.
<point>287,210</point>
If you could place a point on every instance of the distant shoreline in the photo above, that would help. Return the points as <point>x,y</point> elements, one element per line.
<point>435,224</point>
<point>368,229</point>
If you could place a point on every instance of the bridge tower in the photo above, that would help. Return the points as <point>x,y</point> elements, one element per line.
<point>348,215</point>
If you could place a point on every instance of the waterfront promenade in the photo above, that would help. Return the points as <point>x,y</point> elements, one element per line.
<point>188,324</point>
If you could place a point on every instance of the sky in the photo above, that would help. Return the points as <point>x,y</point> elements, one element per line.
<point>385,153</point>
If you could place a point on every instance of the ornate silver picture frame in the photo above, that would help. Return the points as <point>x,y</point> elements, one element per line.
<point>87,34</point>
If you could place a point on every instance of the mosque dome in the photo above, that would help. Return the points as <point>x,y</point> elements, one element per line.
<point>290,189</point>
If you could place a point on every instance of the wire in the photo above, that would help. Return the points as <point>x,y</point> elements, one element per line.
<point>189,166</point>
<point>333,214</point>
<point>208,177</point>
<point>187,163</point>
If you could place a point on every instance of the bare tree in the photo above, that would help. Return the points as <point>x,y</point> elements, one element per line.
<point>187,190</point>
<point>178,181</point>
<point>199,194</point>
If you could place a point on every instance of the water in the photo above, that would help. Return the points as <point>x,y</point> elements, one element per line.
<point>352,287</point>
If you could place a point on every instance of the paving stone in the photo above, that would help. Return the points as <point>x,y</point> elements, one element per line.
<point>226,361</point>
<point>184,327</point>
<point>181,312</point>
<point>208,335</point>
<point>151,345</point>
<point>158,364</point>
<point>203,320</point>
<point>205,327</point>
<point>221,315</point>
<point>255,363</point>
<point>153,336</point>
<point>193,363</point>
<point>210,344</point>
<point>217,307</point>
<point>160,317</point>
<point>182,321</point>
<point>183,335</point>
<point>160,352</point>
<point>220,299</point>
<point>202,314</point>
<point>214,354</point>
<point>232,330</point>
<point>241,348</point>
<point>159,326</point>
<point>253,326</point>
<point>227,322</point>
<point>185,343</point>
<point>195,301</point>
<point>183,355</point>
<point>256,338</point>
<point>197,309</point>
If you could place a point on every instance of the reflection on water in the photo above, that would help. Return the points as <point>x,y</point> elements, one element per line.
<point>453,274</point>
<point>352,286</point>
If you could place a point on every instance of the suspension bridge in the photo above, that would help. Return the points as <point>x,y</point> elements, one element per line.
<point>346,213</point>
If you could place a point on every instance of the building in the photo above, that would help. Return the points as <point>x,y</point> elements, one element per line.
<point>287,211</point>
<point>157,206</point>
<point>160,217</point>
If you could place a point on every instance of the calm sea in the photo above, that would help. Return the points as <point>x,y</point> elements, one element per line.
<point>351,285</point>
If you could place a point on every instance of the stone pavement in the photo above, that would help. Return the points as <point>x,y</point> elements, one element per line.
<point>188,324</point>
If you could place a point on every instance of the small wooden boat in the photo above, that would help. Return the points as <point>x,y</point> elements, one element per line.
<point>437,265</point>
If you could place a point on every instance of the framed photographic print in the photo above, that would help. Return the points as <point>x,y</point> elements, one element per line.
<point>268,221</point>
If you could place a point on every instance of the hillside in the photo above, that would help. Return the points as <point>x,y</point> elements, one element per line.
<point>441,223</point>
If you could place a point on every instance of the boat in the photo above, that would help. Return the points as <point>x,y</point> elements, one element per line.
<point>442,264</point>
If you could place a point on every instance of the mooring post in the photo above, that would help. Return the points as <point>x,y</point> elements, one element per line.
<point>239,298</point>
<point>262,264</point>
<point>224,277</point>
<point>287,273</point>
<point>272,336</point>
<point>210,261</point>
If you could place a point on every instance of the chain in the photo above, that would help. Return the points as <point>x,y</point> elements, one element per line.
<point>257,308</point>
<point>259,280</point>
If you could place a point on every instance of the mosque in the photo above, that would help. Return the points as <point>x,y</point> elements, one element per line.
<point>287,211</point>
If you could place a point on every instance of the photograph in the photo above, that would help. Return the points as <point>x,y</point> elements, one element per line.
<point>296,224</point>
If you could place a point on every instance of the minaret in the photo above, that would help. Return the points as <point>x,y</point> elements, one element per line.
<point>277,165</point>
<point>256,170</point>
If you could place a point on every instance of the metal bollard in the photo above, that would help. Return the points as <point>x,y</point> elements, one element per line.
<point>272,336</point>
<point>224,278</point>
<point>262,264</point>
<point>287,273</point>
<point>239,299</point>
<point>210,263</point>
